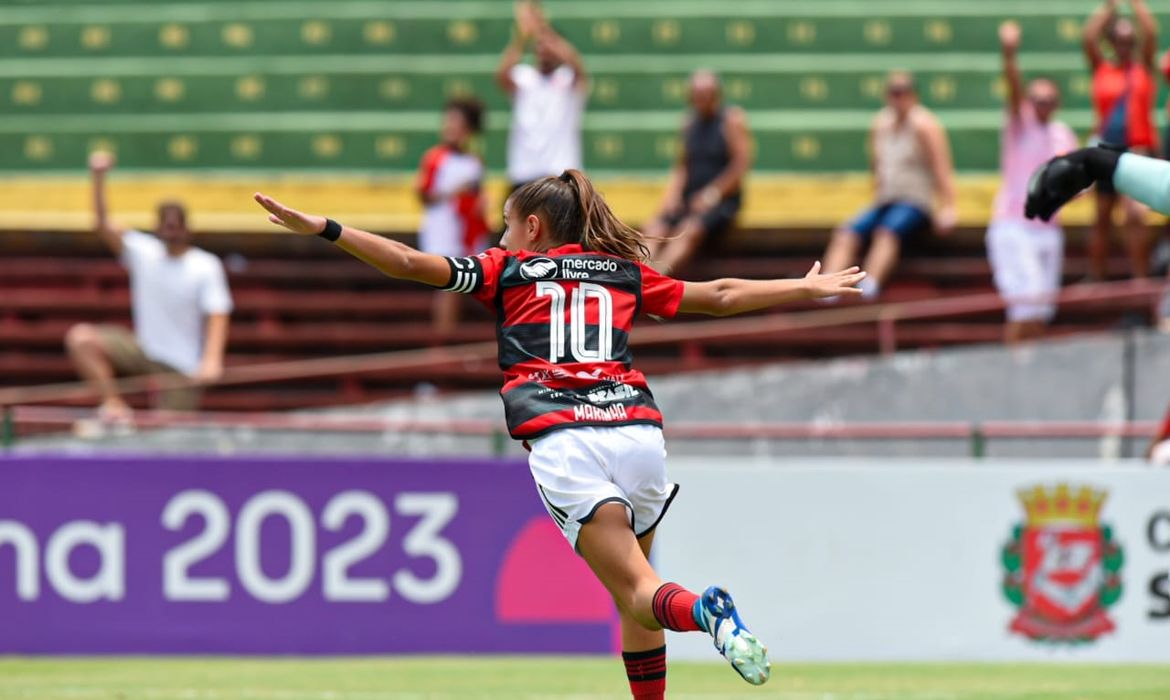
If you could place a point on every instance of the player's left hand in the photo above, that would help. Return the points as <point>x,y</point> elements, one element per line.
<point>843,283</point>
<point>291,219</point>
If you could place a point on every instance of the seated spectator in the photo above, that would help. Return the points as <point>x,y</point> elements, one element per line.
<point>704,193</point>
<point>449,184</point>
<point>180,304</point>
<point>911,164</point>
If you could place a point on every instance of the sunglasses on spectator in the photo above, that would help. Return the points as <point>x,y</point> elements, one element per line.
<point>898,90</point>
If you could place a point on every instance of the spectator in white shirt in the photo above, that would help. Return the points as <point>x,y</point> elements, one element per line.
<point>180,305</point>
<point>548,99</point>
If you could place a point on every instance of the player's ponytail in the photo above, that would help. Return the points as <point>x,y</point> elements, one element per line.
<point>574,212</point>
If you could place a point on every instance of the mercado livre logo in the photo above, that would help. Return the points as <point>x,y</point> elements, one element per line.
<point>1062,566</point>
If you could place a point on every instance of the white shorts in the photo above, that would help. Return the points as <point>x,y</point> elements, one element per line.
<point>577,470</point>
<point>1026,259</point>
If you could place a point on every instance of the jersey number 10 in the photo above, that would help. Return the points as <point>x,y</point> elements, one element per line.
<point>577,328</point>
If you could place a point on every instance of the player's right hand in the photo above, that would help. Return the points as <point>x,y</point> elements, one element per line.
<point>101,161</point>
<point>291,219</point>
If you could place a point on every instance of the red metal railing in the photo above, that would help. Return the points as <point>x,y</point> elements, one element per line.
<point>886,316</point>
<point>975,433</point>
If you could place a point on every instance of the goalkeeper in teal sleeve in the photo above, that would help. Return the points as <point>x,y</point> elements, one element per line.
<point>1147,180</point>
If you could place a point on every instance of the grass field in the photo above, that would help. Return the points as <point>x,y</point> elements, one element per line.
<point>547,677</point>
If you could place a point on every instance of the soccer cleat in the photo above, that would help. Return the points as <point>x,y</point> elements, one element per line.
<point>715,611</point>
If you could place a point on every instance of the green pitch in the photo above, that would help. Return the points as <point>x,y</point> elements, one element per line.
<point>546,677</point>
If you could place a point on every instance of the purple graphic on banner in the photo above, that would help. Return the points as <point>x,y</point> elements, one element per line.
<point>260,555</point>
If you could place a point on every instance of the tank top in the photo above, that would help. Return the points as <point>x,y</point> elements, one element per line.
<point>1123,102</point>
<point>903,168</point>
<point>707,153</point>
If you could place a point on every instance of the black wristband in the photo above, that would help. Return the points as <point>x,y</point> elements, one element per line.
<point>332,230</point>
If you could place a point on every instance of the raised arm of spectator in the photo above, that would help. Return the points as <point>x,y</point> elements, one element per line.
<point>1147,31</point>
<point>739,144</point>
<point>526,24</point>
<point>569,55</point>
<point>1095,29</point>
<point>100,163</point>
<point>938,149</point>
<point>511,56</point>
<point>1009,42</point>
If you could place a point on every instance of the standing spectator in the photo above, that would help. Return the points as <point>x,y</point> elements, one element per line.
<point>705,189</point>
<point>548,99</point>
<point>179,301</point>
<point>1026,255</point>
<point>1123,102</point>
<point>910,158</point>
<point>449,185</point>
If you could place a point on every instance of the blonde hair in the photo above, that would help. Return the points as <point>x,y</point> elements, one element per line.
<point>574,212</point>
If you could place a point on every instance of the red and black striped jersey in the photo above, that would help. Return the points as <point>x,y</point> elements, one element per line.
<point>563,320</point>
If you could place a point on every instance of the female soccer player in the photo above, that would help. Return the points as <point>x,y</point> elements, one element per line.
<point>566,286</point>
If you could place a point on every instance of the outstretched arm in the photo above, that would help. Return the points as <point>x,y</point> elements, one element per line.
<point>725,297</point>
<point>100,163</point>
<point>392,258</point>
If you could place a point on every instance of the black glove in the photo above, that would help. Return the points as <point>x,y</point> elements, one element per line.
<point>1064,177</point>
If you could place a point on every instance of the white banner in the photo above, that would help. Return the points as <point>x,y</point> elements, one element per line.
<point>928,560</point>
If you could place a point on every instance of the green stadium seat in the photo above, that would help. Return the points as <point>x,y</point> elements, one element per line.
<point>356,86</point>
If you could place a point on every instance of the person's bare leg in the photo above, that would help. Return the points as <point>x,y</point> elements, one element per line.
<point>842,250</point>
<point>1138,238</point>
<point>610,549</point>
<point>445,308</point>
<point>1099,234</point>
<point>84,346</point>
<point>678,250</point>
<point>882,257</point>
<point>635,636</point>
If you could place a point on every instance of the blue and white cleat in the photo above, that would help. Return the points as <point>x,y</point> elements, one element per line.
<point>715,611</point>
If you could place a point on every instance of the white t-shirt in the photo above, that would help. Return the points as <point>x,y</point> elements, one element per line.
<point>545,138</point>
<point>170,297</point>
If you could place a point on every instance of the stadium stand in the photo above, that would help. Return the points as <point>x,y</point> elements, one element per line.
<point>332,104</point>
